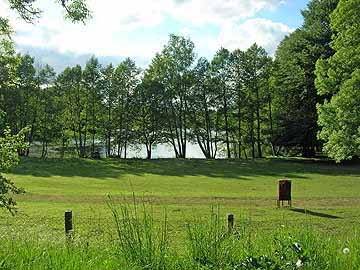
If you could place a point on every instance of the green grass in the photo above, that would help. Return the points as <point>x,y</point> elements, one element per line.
<point>140,244</point>
<point>186,188</point>
<point>326,201</point>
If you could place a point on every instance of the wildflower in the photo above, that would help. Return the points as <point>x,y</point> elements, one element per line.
<point>297,247</point>
<point>346,250</point>
<point>299,263</point>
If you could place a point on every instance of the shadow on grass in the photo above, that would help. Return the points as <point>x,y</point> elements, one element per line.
<point>226,169</point>
<point>312,213</point>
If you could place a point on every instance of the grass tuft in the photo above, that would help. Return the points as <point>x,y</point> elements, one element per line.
<point>139,240</point>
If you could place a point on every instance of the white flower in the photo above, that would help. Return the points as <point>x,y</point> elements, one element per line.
<point>299,263</point>
<point>297,247</point>
<point>346,250</point>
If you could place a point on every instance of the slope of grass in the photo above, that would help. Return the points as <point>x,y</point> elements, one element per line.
<point>326,195</point>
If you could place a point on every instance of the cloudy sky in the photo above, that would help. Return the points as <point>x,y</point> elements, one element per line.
<point>140,28</point>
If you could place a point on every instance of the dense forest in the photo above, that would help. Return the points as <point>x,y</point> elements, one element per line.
<point>303,101</point>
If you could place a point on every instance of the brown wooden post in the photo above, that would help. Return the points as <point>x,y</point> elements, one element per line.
<point>230,220</point>
<point>68,224</point>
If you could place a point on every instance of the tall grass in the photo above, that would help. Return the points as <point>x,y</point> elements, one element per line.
<point>209,244</point>
<point>34,255</point>
<point>140,242</point>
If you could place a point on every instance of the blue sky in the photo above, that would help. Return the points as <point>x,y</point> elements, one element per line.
<point>140,28</point>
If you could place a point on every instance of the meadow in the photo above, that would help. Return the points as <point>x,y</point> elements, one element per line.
<point>326,204</point>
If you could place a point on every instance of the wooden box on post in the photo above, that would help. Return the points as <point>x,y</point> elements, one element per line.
<point>284,192</point>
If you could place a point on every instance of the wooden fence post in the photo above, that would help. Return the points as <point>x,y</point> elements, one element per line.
<point>68,224</point>
<point>230,220</point>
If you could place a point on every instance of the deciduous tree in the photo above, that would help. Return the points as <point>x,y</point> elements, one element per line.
<point>338,80</point>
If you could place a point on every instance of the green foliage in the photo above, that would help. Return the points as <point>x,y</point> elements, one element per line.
<point>9,63</point>
<point>149,117</point>
<point>91,82</point>
<point>173,69</point>
<point>5,29</point>
<point>26,9</point>
<point>76,10</point>
<point>203,113</point>
<point>338,80</point>
<point>220,71</point>
<point>295,95</point>
<point>126,80</point>
<point>10,145</point>
<point>294,98</point>
<point>74,115</point>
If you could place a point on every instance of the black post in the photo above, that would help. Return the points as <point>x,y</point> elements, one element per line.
<point>68,224</point>
<point>230,223</point>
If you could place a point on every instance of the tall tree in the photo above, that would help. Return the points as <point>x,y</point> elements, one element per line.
<point>92,85</point>
<point>126,79</point>
<point>338,80</point>
<point>109,102</point>
<point>204,115</point>
<point>48,126</point>
<point>293,79</point>
<point>10,145</point>
<point>75,113</point>
<point>149,107</point>
<point>255,75</point>
<point>221,73</point>
<point>22,98</point>
<point>173,69</point>
<point>238,76</point>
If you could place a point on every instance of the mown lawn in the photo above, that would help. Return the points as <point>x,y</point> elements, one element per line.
<point>326,196</point>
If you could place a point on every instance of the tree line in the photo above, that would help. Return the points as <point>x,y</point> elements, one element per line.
<point>239,104</point>
<point>219,104</point>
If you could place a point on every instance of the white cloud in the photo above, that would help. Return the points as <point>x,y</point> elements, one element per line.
<point>185,31</point>
<point>111,30</point>
<point>105,34</point>
<point>201,12</point>
<point>264,32</point>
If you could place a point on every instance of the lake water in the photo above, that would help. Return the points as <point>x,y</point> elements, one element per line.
<point>137,151</point>
<point>163,151</point>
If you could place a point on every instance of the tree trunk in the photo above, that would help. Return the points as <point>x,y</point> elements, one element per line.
<point>226,125</point>
<point>258,121</point>
<point>252,138</point>
<point>239,131</point>
<point>148,151</point>
<point>63,147</point>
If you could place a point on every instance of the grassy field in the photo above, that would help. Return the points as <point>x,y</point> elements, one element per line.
<point>329,193</point>
<point>326,201</point>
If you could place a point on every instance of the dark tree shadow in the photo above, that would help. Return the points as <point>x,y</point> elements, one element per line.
<point>312,213</point>
<point>227,169</point>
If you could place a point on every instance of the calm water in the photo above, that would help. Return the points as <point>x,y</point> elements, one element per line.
<point>163,151</point>
<point>137,151</point>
